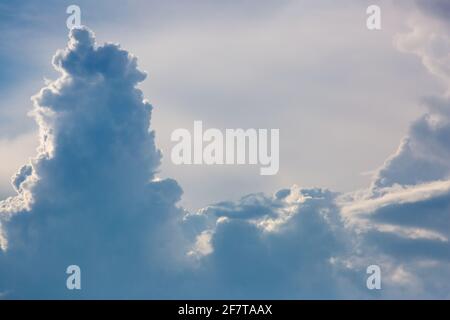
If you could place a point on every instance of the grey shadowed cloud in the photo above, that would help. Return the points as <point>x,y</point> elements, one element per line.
<point>436,8</point>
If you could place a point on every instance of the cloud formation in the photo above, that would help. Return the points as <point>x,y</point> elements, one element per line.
<point>423,154</point>
<point>284,246</point>
<point>91,197</point>
<point>322,242</point>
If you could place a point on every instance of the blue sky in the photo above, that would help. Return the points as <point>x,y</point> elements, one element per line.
<point>364,127</point>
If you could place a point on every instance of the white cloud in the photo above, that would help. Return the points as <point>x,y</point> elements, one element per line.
<point>90,193</point>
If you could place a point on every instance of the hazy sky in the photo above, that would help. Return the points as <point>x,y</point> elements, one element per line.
<point>341,95</point>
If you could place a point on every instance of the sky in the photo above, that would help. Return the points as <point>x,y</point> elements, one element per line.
<point>87,179</point>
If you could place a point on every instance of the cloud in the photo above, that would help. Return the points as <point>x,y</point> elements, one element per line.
<point>423,154</point>
<point>406,231</point>
<point>402,220</point>
<point>428,38</point>
<point>13,152</point>
<point>312,243</point>
<point>277,247</point>
<point>436,8</point>
<point>90,196</point>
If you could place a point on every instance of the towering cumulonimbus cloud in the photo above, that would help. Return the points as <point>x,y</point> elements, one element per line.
<point>90,197</point>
